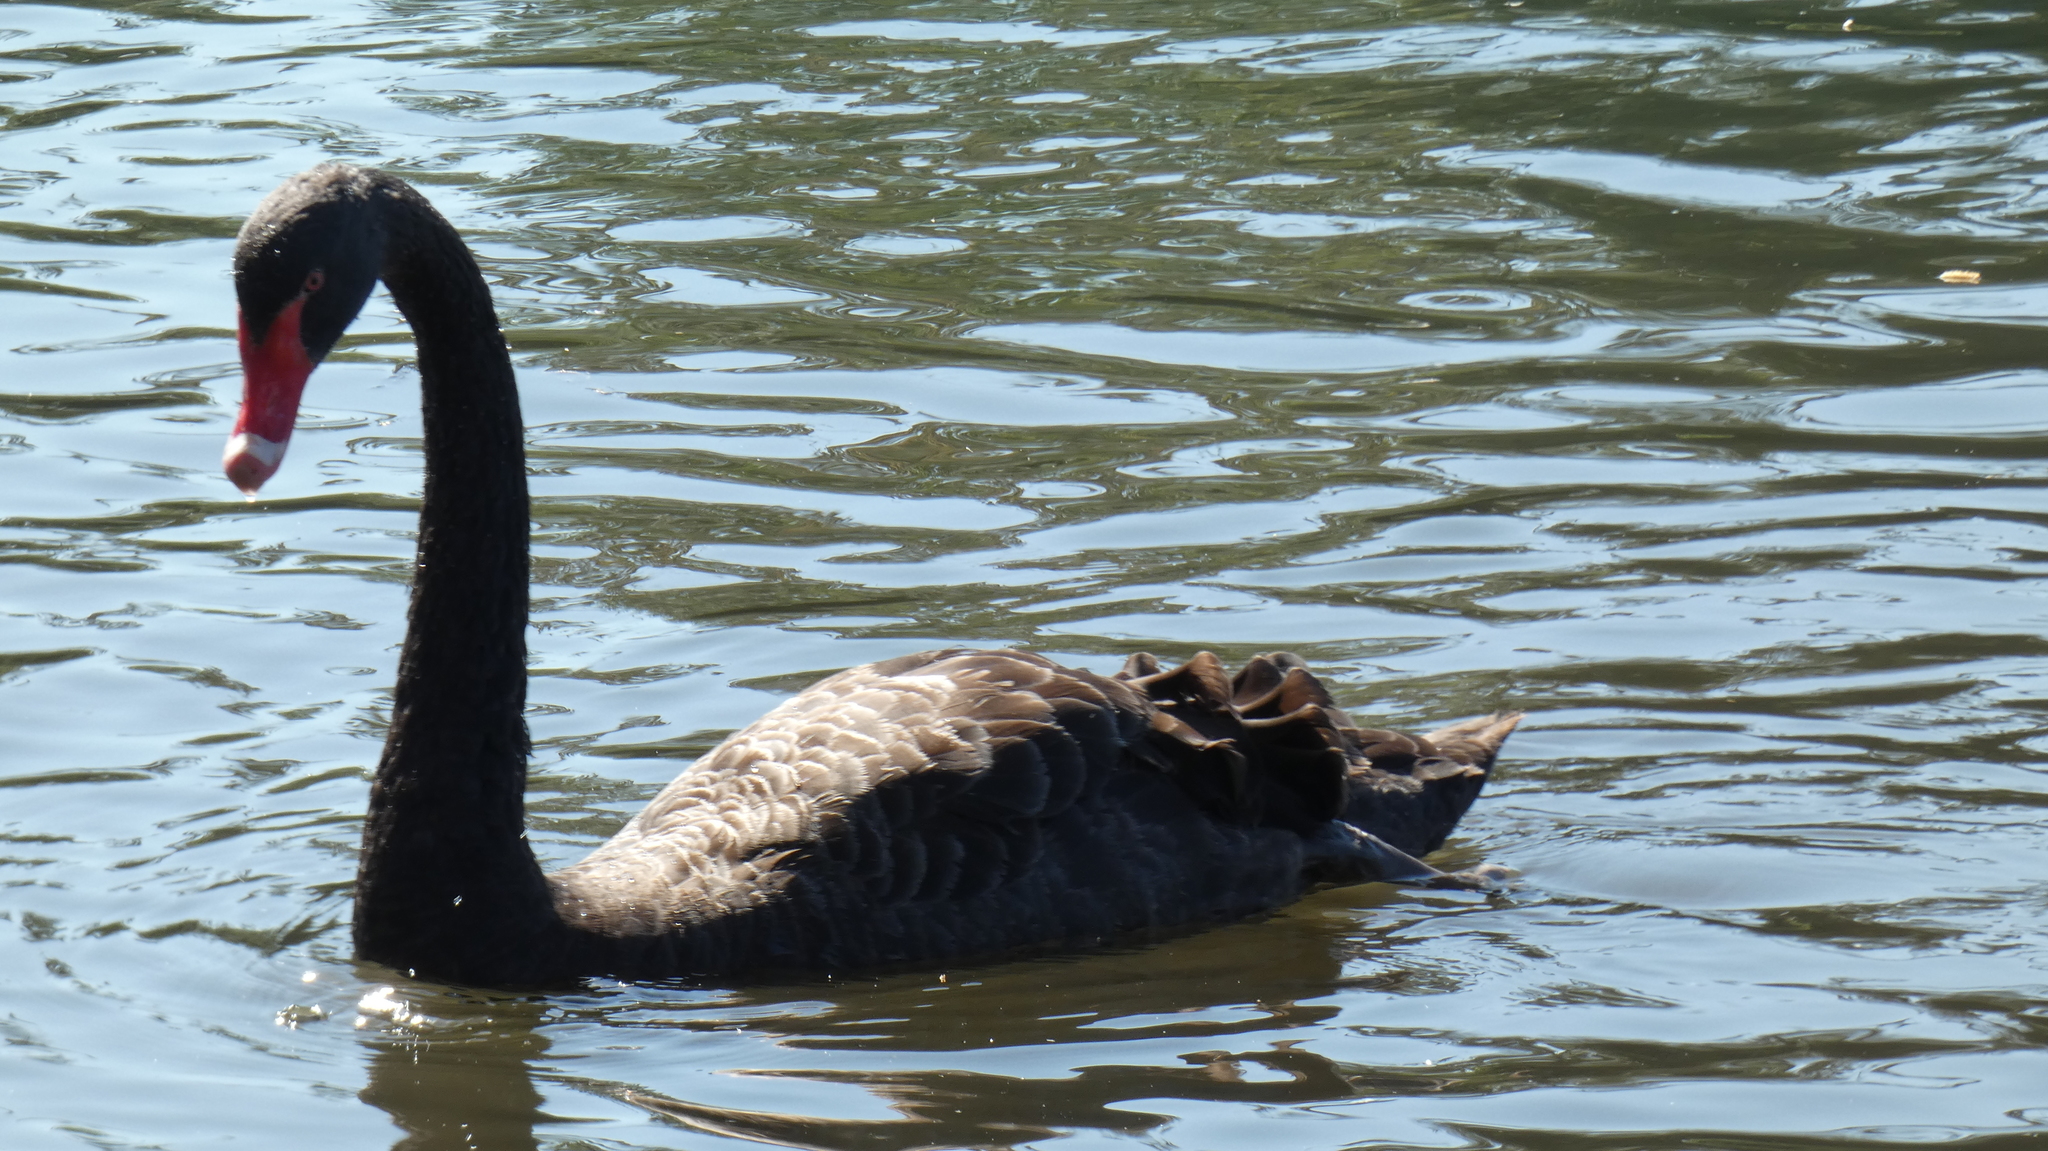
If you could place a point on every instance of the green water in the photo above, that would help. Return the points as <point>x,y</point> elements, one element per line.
<point>1586,358</point>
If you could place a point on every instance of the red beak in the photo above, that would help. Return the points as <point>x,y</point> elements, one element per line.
<point>274,371</point>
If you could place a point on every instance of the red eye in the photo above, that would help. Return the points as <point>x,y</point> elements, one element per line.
<point>315,280</point>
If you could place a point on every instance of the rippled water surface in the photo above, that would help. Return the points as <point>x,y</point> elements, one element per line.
<point>1589,358</point>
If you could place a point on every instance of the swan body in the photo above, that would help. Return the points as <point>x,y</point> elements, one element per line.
<point>945,805</point>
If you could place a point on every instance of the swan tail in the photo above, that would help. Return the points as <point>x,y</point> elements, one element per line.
<point>1410,791</point>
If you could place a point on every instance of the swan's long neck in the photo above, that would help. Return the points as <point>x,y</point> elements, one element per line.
<point>446,875</point>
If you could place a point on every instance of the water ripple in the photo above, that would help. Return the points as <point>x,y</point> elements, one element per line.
<point>1576,360</point>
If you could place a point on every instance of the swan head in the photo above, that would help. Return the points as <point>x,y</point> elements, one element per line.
<point>304,263</point>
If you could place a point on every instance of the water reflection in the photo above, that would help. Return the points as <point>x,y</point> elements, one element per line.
<point>459,1077</point>
<point>1564,354</point>
<point>460,1070</point>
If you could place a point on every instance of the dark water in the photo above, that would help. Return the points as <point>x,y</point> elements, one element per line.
<point>1587,358</point>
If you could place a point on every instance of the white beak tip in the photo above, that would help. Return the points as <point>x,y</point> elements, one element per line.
<point>251,459</point>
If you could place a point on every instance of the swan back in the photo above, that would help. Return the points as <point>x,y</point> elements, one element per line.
<point>959,803</point>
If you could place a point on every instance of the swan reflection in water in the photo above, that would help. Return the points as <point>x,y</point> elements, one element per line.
<point>463,1070</point>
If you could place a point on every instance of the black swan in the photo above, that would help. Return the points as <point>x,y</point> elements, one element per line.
<point>946,805</point>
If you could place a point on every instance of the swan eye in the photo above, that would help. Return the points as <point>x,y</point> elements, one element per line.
<point>315,280</point>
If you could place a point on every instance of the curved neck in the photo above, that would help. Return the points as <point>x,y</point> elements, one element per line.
<point>446,873</point>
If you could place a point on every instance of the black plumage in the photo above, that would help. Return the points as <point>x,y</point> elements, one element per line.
<point>938,806</point>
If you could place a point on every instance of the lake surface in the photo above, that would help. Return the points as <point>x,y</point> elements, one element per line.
<point>1589,358</point>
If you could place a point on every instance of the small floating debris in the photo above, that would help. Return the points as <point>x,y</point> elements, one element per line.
<point>1960,276</point>
<point>300,1013</point>
<point>1848,25</point>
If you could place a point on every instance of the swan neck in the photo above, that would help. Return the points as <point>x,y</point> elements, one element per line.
<point>447,872</point>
